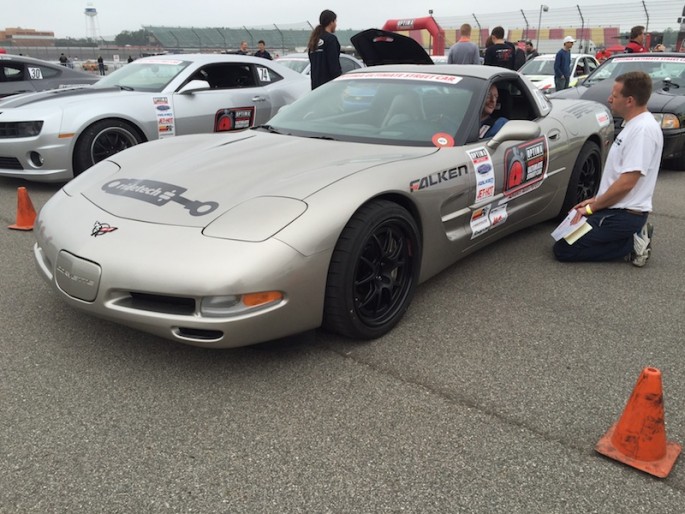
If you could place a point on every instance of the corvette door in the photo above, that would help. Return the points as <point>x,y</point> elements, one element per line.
<point>235,100</point>
<point>508,184</point>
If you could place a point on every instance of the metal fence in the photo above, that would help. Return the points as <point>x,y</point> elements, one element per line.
<point>535,24</point>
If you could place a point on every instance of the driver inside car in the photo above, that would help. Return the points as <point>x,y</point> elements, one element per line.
<point>490,123</point>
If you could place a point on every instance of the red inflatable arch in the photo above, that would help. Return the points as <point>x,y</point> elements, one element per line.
<point>428,23</point>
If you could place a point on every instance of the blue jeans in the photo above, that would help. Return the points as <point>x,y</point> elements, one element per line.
<point>611,237</point>
<point>561,83</point>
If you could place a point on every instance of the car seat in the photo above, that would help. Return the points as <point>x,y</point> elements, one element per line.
<point>404,107</point>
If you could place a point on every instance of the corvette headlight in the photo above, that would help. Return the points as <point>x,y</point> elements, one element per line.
<point>257,219</point>
<point>231,305</point>
<point>667,120</point>
<point>16,129</point>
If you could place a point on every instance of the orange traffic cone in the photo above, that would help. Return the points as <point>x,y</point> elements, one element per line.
<point>639,437</point>
<point>26,214</point>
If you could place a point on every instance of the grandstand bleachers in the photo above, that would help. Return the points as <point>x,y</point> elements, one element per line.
<point>222,38</point>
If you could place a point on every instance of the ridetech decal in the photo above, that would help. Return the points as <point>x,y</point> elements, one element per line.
<point>525,165</point>
<point>157,193</point>
<point>240,118</point>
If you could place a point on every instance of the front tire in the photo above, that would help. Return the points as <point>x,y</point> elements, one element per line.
<point>102,140</point>
<point>585,177</point>
<point>373,272</point>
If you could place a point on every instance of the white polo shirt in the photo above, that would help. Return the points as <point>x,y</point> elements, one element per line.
<point>637,148</point>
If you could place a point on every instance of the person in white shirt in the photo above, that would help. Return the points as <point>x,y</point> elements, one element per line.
<point>618,213</point>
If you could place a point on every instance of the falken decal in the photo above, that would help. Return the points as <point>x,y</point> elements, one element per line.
<point>100,229</point>
<point>437,178</point>
<point>226,120</point>
<point>158,193</point>
<point>525,166</point>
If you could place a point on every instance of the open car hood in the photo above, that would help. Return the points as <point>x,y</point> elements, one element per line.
<point>376,46</point>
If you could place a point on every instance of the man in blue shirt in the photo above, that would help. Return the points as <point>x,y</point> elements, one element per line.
<point>562,64</point>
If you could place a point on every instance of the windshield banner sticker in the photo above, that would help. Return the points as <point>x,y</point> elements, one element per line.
<point>525,166</point>
<point>165,117</point>
<point>158,193</point>
<point>429,77</point>
<point>485,173</point>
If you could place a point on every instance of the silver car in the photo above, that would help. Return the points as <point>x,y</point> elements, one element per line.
<point>329,215</point>
<point>20,74</point>
<point>55,135</point>
<point>299,62</point>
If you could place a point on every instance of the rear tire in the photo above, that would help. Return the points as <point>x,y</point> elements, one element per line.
<point>585,177</point>
<point>102,140</point>
<point>373,272</point>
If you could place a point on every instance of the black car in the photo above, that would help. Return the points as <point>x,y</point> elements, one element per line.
<point>19,74</point>
<point>667,102</point>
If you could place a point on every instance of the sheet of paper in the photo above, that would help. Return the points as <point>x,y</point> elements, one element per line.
<point>566,227</point>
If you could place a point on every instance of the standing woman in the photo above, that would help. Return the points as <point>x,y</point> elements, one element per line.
<point>324,50</point>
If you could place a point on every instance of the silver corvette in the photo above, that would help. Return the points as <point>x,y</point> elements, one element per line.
<point>52,136</point>
<point>329,215</point>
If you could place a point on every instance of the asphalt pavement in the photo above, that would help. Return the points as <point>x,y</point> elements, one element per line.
<point>488,397</point>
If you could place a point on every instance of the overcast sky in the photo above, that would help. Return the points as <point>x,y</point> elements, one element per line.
<point>66,17</point>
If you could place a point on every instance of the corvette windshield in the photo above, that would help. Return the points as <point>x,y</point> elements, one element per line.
<point>381,107</point>
<point>145,75</point>
<point>661,68</point>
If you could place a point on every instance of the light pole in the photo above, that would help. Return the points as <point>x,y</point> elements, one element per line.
<point>545,8</point>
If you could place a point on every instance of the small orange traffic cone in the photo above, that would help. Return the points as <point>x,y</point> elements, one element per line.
<point>26,214</point>
<point>638,439</point>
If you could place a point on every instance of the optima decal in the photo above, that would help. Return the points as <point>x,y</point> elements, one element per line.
<point>158,193</point>
<point>240,118</point>
<point>525,166</point>
<point>437,178</point>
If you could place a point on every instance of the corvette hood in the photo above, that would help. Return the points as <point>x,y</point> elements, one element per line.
<point>191,180</point>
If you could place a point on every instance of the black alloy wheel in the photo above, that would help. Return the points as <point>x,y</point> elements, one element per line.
<point>373,272</point>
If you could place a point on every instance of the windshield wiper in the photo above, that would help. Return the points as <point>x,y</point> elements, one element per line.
<point>327,138</point>
<point>268,128</point>
<point>124,88</point>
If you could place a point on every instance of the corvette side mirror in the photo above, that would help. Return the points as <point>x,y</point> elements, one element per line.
<point>514,130</point>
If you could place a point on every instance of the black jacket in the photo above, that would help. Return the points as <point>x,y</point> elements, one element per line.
<point>325,60</point>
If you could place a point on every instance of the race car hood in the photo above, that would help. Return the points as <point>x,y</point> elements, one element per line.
<point>191,180</point>
<point>63,96</point>
<point>376,46</point>
<point>600,92</point>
